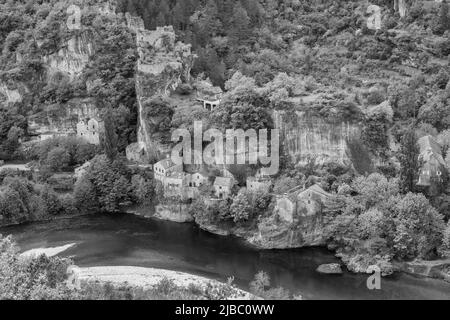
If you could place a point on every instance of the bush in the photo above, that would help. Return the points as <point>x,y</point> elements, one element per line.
<point>260,287</point>
<point>58,159</point>
<point>64,153</point>
<point>240,209</point>
<point>445,247</point>
<point>40,278</point>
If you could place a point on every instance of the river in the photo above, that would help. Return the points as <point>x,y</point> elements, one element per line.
<point>127,240</point>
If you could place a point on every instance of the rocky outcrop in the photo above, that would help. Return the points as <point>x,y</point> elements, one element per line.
<point>305,232</point>
<point>332,268</point>
<point>401,7</point>
<point>72,58</point>
<point>11,95</point>
<point>308,136</point>
<point>163,64</point>
<point>62,120</point>
<point>362,263</point>
<point>175,213</point>
<point>439,269</point>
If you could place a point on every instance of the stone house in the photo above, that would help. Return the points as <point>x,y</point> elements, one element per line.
<point>433,164</point>
<point>91,130</point>
<point>312,201</point>
<point>223,187</point>
<point>164,168</point>
<point>259,184</point>
<point>175,184</point>
<point>183,185</point>
<point>198,179</point>
<point>303,203</point>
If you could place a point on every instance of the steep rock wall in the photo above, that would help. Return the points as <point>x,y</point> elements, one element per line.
<point>11,95</point>
<point>72,57</point>
<point>306,232</point>
<point>162,66</point>
<point>309,136</point>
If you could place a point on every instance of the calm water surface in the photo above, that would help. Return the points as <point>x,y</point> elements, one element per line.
<point>126,240</point>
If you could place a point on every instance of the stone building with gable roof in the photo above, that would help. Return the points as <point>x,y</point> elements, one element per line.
<point>433,164</point>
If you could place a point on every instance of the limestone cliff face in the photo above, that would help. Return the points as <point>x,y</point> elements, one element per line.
<point>72,57</point>
<point>57,120</point>
<point>69,61</point>
<point>309,136</point>
<point>12,95</point>
<point>307,232</point>
<point>162,66</point>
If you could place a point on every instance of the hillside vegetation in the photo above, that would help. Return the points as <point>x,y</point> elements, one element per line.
<point>318,58</point>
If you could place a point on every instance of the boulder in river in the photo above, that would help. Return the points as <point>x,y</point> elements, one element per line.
<point>438,269</point>
<point>332,268</point>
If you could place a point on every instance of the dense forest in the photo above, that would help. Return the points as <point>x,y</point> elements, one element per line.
<point>266,55</point>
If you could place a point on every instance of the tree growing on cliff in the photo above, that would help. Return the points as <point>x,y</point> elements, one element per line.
<point>110,142</point>
<point>409,162</point>
<point>158,113</point>
<point>374,134</point>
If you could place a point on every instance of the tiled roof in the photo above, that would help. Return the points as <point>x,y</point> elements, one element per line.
<point>224,182</point>
<point>205,176</point>
<point>430,149</point>
<point>166,163</point>
<point>177,175</point>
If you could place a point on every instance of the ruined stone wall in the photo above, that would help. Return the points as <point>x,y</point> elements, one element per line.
<point>162,66</point>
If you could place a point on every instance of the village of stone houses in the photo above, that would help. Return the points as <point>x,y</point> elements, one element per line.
<point>357,93</point>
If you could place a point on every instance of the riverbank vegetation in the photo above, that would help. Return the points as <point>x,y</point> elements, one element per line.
<point>47,278</point>
<point>22,200</point>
